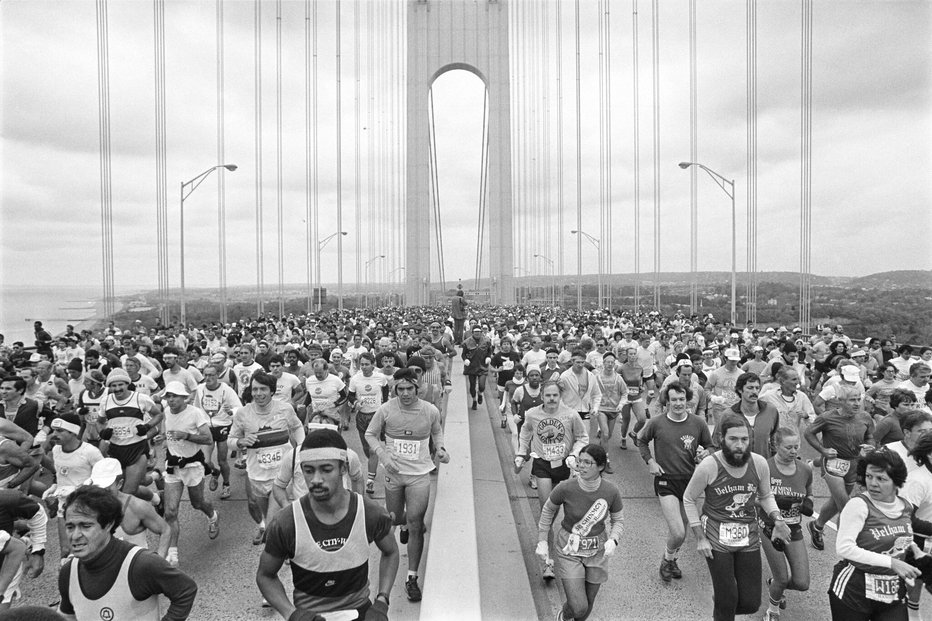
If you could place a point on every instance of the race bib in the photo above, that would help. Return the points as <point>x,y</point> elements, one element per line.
<point>734,534</point>
<point>369,401</point>
<point>554,452</point>
<point>408,450</point>
<point>122,432</point>
<point>838,467</point>
<point>881,588</point>
<point>508,365</point>
<point>792,516</point>
<point>270,458</point>
<point>588,546</point>
<point>211,405</point>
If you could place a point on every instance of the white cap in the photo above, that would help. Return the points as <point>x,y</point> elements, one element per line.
<point>732,354</point>
<point>850,373</point>
<point>176,388</point>
<point>105,472</point>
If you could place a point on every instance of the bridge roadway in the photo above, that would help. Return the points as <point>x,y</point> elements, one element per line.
<point>479,559</point>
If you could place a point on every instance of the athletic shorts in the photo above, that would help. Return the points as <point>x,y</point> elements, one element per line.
<point>848,586</point>
<point>669,486</point>
<point>191,475</point>
<point>850,477</point>
<point>609,414</point>
<point>262,489</point>
<point>796,530</point>
<point>221,433</point>
<point>395,482</point>
<point>592,569</point>
<point>128,454</point>
<point>542,469</point>
<point>584,415</point>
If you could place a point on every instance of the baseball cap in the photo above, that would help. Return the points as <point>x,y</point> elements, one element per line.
<point>118,375</point>
<point>858,352</point>
<point>105,472</point>
<point>850,373</point>
<point>771,329</point>
<point>732,354</point>
<point>176,388</point>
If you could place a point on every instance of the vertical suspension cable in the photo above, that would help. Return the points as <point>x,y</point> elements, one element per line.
<point>548,156</point>
<point>260,276</point>
<point>752,159</point>
<point>693,170</point>
<point>278,152</point>
<point>435,189</point>
<point>161,166</point>
<point>103,102</point>
<point>483,168</point>
<point>609,236</point>
<point>400,110</point>
<point>636,142</point>
<point>221,176</point>
<point>357,206</point>
<point>578,173</point>
<point>308,231</point>
<point>602,199</point>
<point>339,157</point>
<point>370,136</point>
<point>561,232</point>
<point>315,169</point>
<point>655,57</point>
<point>805,225</point>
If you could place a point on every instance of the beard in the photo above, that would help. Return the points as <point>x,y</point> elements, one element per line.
<point>734,459</point>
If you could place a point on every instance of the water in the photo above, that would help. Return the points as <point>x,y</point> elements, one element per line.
<point>55,307</point>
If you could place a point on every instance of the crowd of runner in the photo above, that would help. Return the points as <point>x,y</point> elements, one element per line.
<point>102,434</point>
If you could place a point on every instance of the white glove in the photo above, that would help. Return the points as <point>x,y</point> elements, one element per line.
<point>519,462</point>
<point>571,462</point>
<point>543,550</point>
<point>610,546</point>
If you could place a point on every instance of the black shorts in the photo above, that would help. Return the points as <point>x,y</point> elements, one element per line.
<point>609,414</point>
<point>669,486</point>
<point>584,415</point>
<point>128,454</point>
<point>796,530</point>
<point>220,434</point>
<point>542,469</point>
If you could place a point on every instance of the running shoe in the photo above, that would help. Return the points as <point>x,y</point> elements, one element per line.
<point>634,438</point>
<point>259,539</point>
<point>504,422</point>
<point>474,406</point>
<point>403,536</point>
<point>533,482</point>
<point>225,492</point>
<point>480,398</point>
<point>213,526</point>
<point>412,590</point>
<point>214,482</point>
<point>677,572</point>
<point>608,468</point>
<point>548,571</point>
<point>815,533</point>
<point>370,487</point>
<point>771,615</point>
<point>782,599</point>
<point>666,570</point>
<point>624,444</point>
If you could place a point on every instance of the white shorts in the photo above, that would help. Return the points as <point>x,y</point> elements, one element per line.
<point>191,475</point>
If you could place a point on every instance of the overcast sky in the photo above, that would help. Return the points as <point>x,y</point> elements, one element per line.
<point>871,166</point>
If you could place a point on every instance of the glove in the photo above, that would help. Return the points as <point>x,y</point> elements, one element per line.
<point>609,548</point>
<point>142,429</point>
<point>519,463</point>
<point>106,434</point>
<point>305,615</point>
<point>571,462</point>
<point>806,507</point>
<point>378,611</point>
<point>543,550</point>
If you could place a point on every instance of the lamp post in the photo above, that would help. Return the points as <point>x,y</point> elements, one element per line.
<point>597,244</point>
<point>186,188</point>
<point>378,256</point>
<point>725,184</point>
<point>553,280</point>
<point>320,246</point>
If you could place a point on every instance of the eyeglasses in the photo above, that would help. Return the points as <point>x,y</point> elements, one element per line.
<point>585,462</point>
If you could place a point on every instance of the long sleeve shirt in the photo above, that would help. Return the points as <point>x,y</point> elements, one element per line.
<point>583,396</point>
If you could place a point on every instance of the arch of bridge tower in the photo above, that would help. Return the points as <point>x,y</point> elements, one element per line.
<point>445,35</point>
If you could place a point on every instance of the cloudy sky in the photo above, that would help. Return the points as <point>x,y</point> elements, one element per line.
<point>871,166</point>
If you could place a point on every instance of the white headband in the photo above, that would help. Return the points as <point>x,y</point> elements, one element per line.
<point>322,453</point>
<point>63,424</point>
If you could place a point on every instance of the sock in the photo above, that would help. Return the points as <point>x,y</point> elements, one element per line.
<point>774,607</point>
<point>412,573</point>
<point>670,555</point>
<point>371,476</point>
<point>262,524</point>
<point>912,609</point>
<point>816,526</point>
<point>173,550</point>
<point>214,516</point>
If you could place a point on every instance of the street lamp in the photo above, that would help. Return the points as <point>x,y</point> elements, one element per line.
<point>320,246</point>
<point>597,244</point>
<point>378,256</point>
<point>186,188</point>
<point>390,282</point>
<point>725,184</point>
<point>553,280</point>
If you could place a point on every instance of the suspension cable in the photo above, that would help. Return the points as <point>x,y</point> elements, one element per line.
<point>221,177</point>
<point>693,170</point>
<point>257,53</point>
<point>636,143</point>
<point>655,57</point>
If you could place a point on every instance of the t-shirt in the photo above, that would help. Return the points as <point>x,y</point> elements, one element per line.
<point>187,420</point>
<point>675,443</point>
<point>324,393</point>
<point>281,541</point>
<point>368,390</point>
<point>74,468</point>
<point>275,429</point>
<point>244,376</point>
<point>407,433</point>
<point>284,387</point>
<point>845,434</point>
<point>888,430</point>
<point>218,404</point>
<point>578,505</point>
<point>506,362</point>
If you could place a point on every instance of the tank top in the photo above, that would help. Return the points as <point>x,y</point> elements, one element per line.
<point>788,490</point>
<point>123,418</point>
<point>118,604</point>
<point>634,383</point>
<point>884,535</point>
<point>139,539</point>
<point>91,406</point>
<point>729,516</point>
<point>611,391</point>
<point>528,400</point>
<point>7,470</point>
